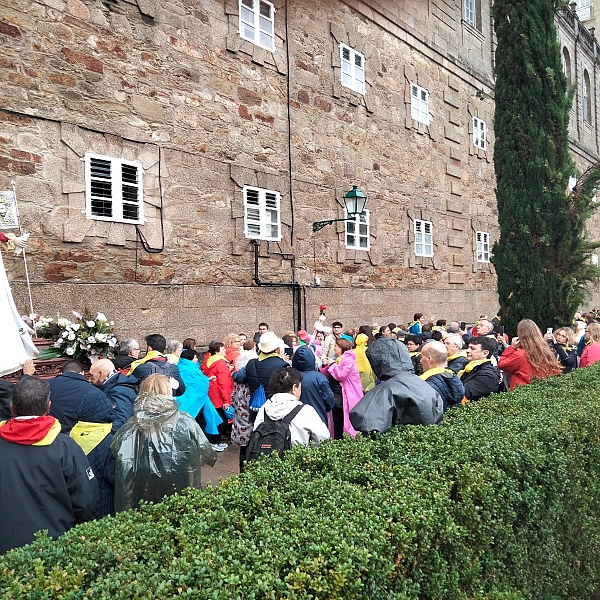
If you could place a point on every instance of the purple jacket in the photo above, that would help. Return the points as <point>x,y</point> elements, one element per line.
<point>346,372</point>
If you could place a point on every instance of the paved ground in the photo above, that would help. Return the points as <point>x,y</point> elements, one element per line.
<point>227,464</point>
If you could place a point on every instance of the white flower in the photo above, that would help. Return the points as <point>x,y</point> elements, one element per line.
<point>101,317</point>
<point>70,351</point>
<point>91,323</point>
<point>91,340</point>
<point>63,322</point>
<point>71,336</point>
<point>101,337</point>
<point>65,334</point>
<point>75,326</point>
<point>112,323</point>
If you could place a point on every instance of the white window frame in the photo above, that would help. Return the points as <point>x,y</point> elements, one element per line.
<point>423,237</point>
<point>356,223</point>
<point>262,212</point>
<point>116,184</point>
<point>572,183</point>
<point>594,260</point>
<point>479,133</point>
<point>584,9</point>
<point>470,13</point>
<point>482,239</point>
<point>419,104</point>
<point>251,18</point>
<point>350,72</point>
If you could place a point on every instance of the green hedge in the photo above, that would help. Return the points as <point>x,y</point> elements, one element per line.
<point>501,502</point>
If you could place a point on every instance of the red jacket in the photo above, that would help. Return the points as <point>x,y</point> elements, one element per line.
<point>221,388</point>
<point>590,354</point>
<point>516,363</point>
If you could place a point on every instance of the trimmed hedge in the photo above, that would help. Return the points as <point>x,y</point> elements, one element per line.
<point>501,502</point>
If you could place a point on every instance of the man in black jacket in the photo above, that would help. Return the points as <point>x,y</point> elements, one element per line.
<point>480,377</point>
<point>45,479</point>
<point>67,393</point>
<point>156,362</point>
<point>121,390</point>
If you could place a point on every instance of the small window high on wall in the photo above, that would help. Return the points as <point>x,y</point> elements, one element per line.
<point>423,238</point>
<point>257,23</point>
<point>262,219</point>
<point>566,63</point>
<point>113,189</point>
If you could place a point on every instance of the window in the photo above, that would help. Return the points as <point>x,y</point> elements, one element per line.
<point>587,100</point>
<point>423,238</point>
<point>419,104</point>
<point>483,246</point>
<point>584,9</point>
<point>353,69</point>
<point>572,183</point>
<point>479,137</point>
<point>470,17</point>
<point>257,21</point>
<point>566,63</point>
<point>594,258</point>
<point>113,189</point>
<point>262,214</point>
<point>357,232</point>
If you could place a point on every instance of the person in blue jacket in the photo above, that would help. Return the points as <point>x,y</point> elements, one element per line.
<point>437,374</point>
<point>315,387</point>
<point>195,398</point>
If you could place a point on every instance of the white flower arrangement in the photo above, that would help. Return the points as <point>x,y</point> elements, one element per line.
<point>83,338</point>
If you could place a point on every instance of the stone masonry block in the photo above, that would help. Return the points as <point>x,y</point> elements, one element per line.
<point>458,224</point>
<point>454,171</point>
<point>456,242</point>
<point>455,277</point>
<point>456,188</point>
<point>72,136</point>
<point>454,205</point>
<point>451,98</point>
<point>458,260</point>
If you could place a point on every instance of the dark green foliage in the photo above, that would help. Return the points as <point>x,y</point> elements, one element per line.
<point>502,502</point>
<point>541,258</point>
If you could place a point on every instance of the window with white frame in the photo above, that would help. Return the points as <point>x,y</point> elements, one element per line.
<point>594,259</point>
<point>483,246</point>
<point>584,9</point>
<point>469,12</point>
<point>357,232</point>
<point>423,238</point>
<point>479,133</point>
<point>113,189</point>
<point>419,104</point>
<point>572,183</point>
<point>257,23</point>
<point>262,214</point>
<point>353,69</point>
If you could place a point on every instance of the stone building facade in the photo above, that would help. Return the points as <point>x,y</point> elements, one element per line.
<point>220,122</point>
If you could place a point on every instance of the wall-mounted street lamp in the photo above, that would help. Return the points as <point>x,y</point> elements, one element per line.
<point>355,202</point>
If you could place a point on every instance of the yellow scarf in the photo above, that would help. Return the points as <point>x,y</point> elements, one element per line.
<point>459,354</point>
<point>425,376</point>
<point>211,360</point>
<point>412,354</point>
<point>140,361</point>
<point>262,356</point>
<point>89,435</point>
<point>472,365</point>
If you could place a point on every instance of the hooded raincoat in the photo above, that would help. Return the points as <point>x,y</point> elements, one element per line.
<point>315,387</point>
<point>402,398</point>
<point>365,371</point>
<point>158,452</point>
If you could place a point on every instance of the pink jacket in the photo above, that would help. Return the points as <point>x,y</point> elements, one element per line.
<point>346,372</point>
<point>590,354</point>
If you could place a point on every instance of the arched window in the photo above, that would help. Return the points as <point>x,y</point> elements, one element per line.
<point>566,63</point>
<point>587,98</point>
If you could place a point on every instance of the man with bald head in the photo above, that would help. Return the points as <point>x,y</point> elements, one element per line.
<point>436,373</point>
<point>121,390</point>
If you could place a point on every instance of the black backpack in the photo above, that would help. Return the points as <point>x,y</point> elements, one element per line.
<point>272,436</point>
<point>160,367</point>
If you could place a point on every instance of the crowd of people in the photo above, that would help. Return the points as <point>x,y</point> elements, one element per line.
<point>140,427</point>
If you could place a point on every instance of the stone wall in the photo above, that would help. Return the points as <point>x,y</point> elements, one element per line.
<point>173,86</point>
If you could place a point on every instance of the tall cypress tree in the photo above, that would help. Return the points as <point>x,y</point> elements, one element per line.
<point>541,258</point>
